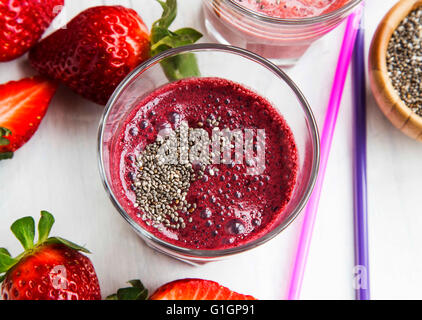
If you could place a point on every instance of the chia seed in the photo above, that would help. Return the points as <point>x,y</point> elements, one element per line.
<point>404,60</point>
<point>161,188</point>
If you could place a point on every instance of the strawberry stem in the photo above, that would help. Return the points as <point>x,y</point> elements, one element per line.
<point>180,66</point>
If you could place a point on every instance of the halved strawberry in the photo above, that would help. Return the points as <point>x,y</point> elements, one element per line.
<point>185,289</point>
<point>196,289</point>
<point>23,105</point>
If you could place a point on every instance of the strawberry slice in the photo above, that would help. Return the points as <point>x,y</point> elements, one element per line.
<point>23,105</point>
<point>185,289</point>
<point>196,289</point>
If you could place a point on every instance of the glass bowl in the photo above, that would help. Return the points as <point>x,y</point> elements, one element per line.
<point>237,65</point>
<point>283,41</point>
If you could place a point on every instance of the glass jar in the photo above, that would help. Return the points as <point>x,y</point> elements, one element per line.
<point>235,64</point>
<point>283,41</point>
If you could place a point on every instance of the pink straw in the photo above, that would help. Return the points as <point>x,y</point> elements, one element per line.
<point>326,140</point>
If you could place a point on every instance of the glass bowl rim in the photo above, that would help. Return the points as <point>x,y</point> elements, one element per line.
<point>206,253</point>
<point>296,21</point>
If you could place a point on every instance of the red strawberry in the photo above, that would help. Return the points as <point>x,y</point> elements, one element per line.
<point>51,269</point>
<point>23,105</point>
<point>95,51</point>
<point>185,289</point>
<point>196,289</point>
<point>22,24</point>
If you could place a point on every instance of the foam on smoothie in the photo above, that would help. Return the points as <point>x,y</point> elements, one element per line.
<point>293,8</point>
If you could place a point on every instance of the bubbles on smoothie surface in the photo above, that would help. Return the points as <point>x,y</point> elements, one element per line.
<point>292,8</point>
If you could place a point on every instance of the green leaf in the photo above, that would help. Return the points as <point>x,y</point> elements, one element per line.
<point>181,66</point>
<point>68,244</point>
<point>181,37</point>
<point>6,262</point>
<point>132,294</point>
<point>2,278</point>
<point>44,226</point>
<point>4,251</point>
<point>136,292</point>
<point>24,230</point>
<point>3,134</point>
<point>158,33</point>
<point>4,141</point>
<point>169,14</point>
<point>136,284</point>
<point>6,155</point>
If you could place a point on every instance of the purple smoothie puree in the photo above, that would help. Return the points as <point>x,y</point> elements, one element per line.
<point>233,208</point>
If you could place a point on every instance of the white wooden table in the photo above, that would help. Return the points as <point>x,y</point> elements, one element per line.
<point>57,171</point>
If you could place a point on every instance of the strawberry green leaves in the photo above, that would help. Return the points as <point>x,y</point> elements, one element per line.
<point>162,39</point>
<point>136,292</point>
<point>6,261</point>
<point>181,37</point>
<point>44,226</point>
<point>24,230</point>
<point>67,243</point>
<point>168,16</point>
<point>6,155</point>
<point>4,133</point>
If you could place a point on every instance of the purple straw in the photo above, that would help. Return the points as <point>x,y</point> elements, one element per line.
<point>361,284</point>
<point>326,140</point>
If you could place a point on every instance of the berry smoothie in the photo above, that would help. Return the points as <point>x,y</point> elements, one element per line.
<point>196,204</point>
<point>288,9</point>
<point>258,29</point>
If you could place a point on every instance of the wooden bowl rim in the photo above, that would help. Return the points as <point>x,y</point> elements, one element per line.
<point>379,49</point>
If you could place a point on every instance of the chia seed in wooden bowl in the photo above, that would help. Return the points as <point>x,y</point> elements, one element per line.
<point>395,67</point>
<point>404,60</point>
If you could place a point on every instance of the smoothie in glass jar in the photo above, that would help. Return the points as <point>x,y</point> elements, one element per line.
<point>215,202</point>
<point>279,30</point>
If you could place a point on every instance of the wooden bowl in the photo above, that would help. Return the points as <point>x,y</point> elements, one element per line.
<point>389,101</point>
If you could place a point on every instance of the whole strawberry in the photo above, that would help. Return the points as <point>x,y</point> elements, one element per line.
<point>22,24</point>
<point>95,51</point>
<point>51,269</point>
